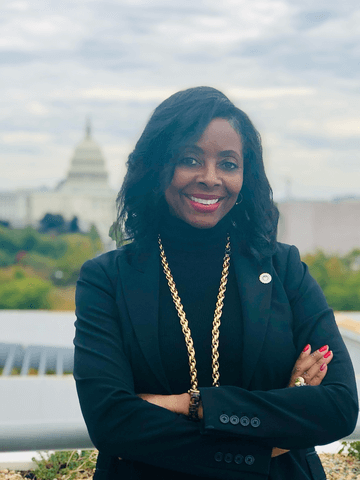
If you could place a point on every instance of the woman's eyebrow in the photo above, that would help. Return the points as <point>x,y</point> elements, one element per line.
<point>229,153</point>
<point>193,148</point>
<point>198,149</point>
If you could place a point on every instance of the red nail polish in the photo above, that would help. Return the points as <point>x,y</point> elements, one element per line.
<point>322,349</point>
<point>327,354</point>
<point>306,348</point>
<point>322,368</point>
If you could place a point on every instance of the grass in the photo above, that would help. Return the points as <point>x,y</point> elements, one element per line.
<point>64,465</point>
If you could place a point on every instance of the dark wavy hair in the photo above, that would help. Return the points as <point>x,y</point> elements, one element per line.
<point>176,122</point>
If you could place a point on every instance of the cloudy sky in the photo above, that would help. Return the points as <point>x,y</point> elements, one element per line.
<point>293,67</point>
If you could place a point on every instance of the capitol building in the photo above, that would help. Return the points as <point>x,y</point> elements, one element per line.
<point>84,193</point>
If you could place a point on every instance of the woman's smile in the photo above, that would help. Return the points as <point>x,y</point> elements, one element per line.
<point>208,177</point>
<point>204,203</point>
<point>204,199</point>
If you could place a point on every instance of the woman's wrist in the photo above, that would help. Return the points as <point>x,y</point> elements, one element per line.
<point>194,405</point>
<point>175,403</point>
<point>181,404</point>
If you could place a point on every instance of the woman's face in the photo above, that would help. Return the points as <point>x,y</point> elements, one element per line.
<point>208,176</point>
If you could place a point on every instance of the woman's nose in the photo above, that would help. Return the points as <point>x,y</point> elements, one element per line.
<point>209,176</point>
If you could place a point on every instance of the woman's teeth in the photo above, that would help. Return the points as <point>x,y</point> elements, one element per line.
<point>203,201</point>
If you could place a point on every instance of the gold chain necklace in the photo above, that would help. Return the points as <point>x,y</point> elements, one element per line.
<point>185,324</point>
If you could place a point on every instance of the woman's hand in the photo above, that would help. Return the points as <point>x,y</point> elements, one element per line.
<point>311,366</point>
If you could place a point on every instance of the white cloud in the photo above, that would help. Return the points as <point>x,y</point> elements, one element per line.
<point>338,29</point>
<point>116,157</point>
<point>20,6</point>
<point>159,94</point>
<point>336,128</point>
<point>25,137</point>
<point>40,32</point>
<point>343,127</point>
<point>306,125</point>
<point>262,93</point>
<point>115,93</point>
<point>311,173</point>
<point>223,24</point>
<point>37,108</point>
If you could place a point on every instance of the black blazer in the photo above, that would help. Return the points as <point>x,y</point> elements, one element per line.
<point>117,356</point>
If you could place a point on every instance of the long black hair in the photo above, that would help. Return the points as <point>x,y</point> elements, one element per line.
<point>177,121</point>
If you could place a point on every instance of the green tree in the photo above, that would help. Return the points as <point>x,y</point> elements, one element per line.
<point>79,249</point>
<point>6,258</point>
<point>41,262</point>
<point>52,222</point>
<point>339,277</point>
<point>316,263</point>
<point>74,225</point>
<point>24,293</point>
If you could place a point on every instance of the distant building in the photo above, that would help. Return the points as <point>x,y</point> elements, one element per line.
<point>84,193</point>
<point>333,227</point>
<point>15,207</point>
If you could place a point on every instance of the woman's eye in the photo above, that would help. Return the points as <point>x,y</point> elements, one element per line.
<point>229,165</point>
<point>189,161</point>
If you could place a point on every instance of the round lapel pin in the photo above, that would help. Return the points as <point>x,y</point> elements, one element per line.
<point>265,278</point>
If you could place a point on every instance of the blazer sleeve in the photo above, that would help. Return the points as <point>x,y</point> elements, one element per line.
<point>123,425</point>
<point>292,418</point>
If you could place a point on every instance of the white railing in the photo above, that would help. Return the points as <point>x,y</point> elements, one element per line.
<point>40,413</point>
<point>37,435</point>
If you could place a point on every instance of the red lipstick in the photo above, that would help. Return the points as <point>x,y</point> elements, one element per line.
<point>199,207</point>
<point>202,207</point>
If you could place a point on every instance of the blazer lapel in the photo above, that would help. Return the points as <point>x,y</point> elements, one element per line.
<point>141,291</point>
<point>255,301</point>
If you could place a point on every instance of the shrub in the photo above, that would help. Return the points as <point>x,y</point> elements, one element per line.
<point>353,449</point>
<point>64,464</point>
<point>339,277</point>
<point>6,258</point>
<point>25,293</point>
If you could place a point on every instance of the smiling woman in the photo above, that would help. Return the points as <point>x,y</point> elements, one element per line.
<point>198,133</point>
<point>208,177</point>
<point>204,316</point>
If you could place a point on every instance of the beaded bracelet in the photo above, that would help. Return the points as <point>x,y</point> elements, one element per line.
<point>194,405</point>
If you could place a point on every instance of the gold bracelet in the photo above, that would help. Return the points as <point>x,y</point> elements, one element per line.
<point>194,405</point>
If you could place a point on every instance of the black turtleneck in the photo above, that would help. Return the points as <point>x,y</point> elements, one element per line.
<point>195,257</point>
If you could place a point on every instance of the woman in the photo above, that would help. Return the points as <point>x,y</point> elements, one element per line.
<point>198,208</point>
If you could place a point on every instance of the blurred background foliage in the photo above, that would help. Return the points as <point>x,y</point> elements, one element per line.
<point>39,268</point>
<point>339,278</point>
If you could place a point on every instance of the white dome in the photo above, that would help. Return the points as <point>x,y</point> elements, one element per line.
<point>87,168</point>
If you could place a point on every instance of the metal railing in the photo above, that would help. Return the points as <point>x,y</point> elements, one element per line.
<point>45,360</point>
<point>39,408</point>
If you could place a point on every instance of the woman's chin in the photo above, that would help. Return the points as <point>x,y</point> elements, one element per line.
<point>202,222</point>
<point>197,219</point>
